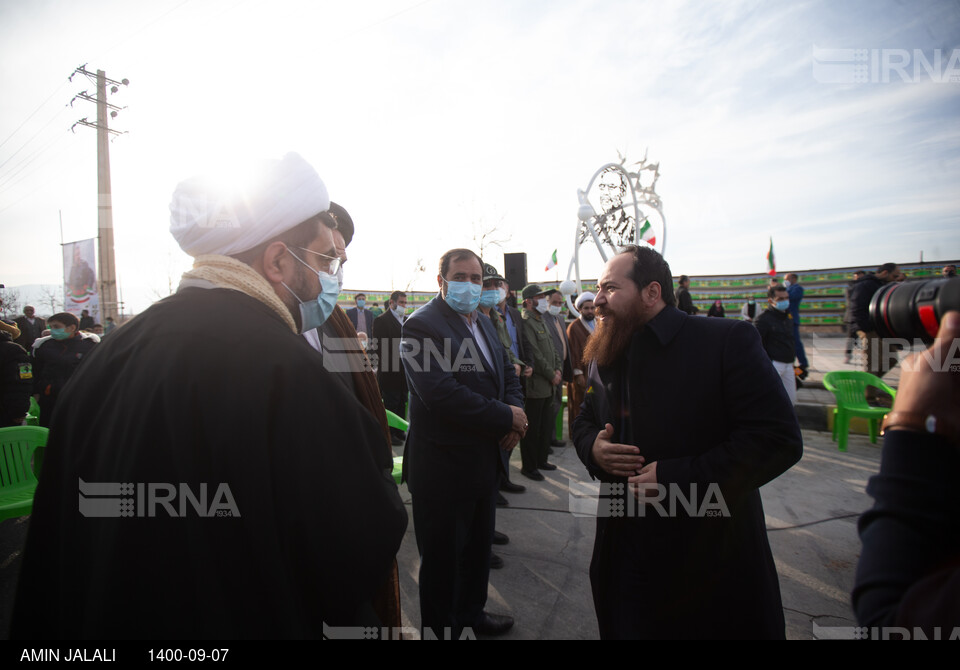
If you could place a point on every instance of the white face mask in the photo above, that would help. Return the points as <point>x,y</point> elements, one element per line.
<point>786,283</point>
<point>554,309</point>
<point>542,305</point>
<point>399,311</point>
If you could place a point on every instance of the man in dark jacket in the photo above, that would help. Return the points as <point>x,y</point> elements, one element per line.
<point>16,377</point>
<point>848,322</point>
<point>463,413</point>
<point>775,326</point>
<point>56,358</point>
<point>386,344</point>
<point>31,327</point>
<point>360,316</point>
<point>680,550</point>
<point>684,301</point>
<point>874,361</point>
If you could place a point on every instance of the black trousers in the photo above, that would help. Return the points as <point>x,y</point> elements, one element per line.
<point>454,539</point>
<point>533,447</point>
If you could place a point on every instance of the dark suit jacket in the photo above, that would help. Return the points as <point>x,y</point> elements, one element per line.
<point>29,333</point>
<point>699,397</point>
<point>459,407</point>
<point>353,315</point>
<point>386,345</point>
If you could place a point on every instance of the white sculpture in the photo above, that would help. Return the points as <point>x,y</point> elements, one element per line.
<point>630,212</point>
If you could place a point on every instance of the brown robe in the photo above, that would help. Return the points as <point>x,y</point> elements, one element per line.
<point>577,334</point>
<point>387,601</point>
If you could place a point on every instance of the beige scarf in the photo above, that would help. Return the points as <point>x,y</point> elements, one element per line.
<point>226,272</point>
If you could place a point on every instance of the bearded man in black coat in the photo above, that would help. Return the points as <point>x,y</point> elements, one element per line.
<point>684,419</point>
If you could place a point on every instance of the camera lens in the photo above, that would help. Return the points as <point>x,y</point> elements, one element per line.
<point>912,310</point>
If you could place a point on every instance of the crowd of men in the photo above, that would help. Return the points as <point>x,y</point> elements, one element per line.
<point>253,430</point>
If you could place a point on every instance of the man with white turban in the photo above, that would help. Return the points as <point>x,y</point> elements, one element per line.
<point>577,333</point>
<point>227,483</point>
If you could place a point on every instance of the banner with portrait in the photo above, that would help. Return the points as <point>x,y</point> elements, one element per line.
<point>80,279</point>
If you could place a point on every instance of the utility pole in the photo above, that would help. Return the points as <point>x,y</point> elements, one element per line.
<point>107,275</point>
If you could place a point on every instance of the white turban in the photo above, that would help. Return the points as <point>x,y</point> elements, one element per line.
<point>207,218</point>
<point>582,298</point>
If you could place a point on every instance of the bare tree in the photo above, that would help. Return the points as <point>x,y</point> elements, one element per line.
<point>486,236</point>
<point>417,271</point>
<point>11,303</point>
<point>52,297</point>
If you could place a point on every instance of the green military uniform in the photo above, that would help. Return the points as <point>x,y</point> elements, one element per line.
<point>539,390</point>
<point>504,336</point>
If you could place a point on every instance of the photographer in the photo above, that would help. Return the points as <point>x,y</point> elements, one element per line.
<point>909,570</point>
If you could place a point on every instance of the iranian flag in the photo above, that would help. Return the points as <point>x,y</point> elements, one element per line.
<point>647,234</point>
<point>552,263</point>
<point>771,262</point>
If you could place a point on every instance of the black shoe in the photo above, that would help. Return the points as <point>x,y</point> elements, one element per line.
<point>547,466</point>
<point>501,501</point>
<point>510,487</point>
<point>493,624</point>
<point>500,538</point>
<point>532,474</point>
<point>558,443</point>
<point>549,450</point>
<point>495,562</point>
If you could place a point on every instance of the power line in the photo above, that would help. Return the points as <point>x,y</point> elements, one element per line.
<point>13,169</point>
<point>65,82</point>
<point>10,180</point>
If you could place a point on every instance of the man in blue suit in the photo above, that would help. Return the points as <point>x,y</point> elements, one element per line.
<point>360,316</point>
<point>465,406</point>
<point>795,293</point>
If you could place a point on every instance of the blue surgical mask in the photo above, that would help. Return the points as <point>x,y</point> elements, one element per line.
<point>490,298</point>
<point>463,296</point>
<point>314,313</point>
<point>783,305</point>
<point>786,283</point>
<point>59,333</point>
<point>361,303</point>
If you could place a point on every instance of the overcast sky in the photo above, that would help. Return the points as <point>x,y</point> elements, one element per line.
<point>432,120</point>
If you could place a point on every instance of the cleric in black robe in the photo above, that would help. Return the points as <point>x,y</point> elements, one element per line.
<point>694,407</point>
<point>227,488</point>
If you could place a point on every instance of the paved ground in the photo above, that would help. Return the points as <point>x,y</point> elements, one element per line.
<point>811,514</point>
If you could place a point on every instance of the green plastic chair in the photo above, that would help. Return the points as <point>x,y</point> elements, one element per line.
<point>33,414</point>
<point>395,421</point>
<point>17,479</point>
<point>849,387</point>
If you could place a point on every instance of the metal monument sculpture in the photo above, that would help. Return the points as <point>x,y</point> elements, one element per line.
<point>619,206</point>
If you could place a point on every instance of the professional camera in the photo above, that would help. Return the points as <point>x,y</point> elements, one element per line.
<point>912,310</point>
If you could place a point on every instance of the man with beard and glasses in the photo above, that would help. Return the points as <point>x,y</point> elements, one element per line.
<point>229,485</point>
<point>682,444</point>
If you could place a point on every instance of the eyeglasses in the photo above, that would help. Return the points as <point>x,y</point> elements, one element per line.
<point>332,266</point>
